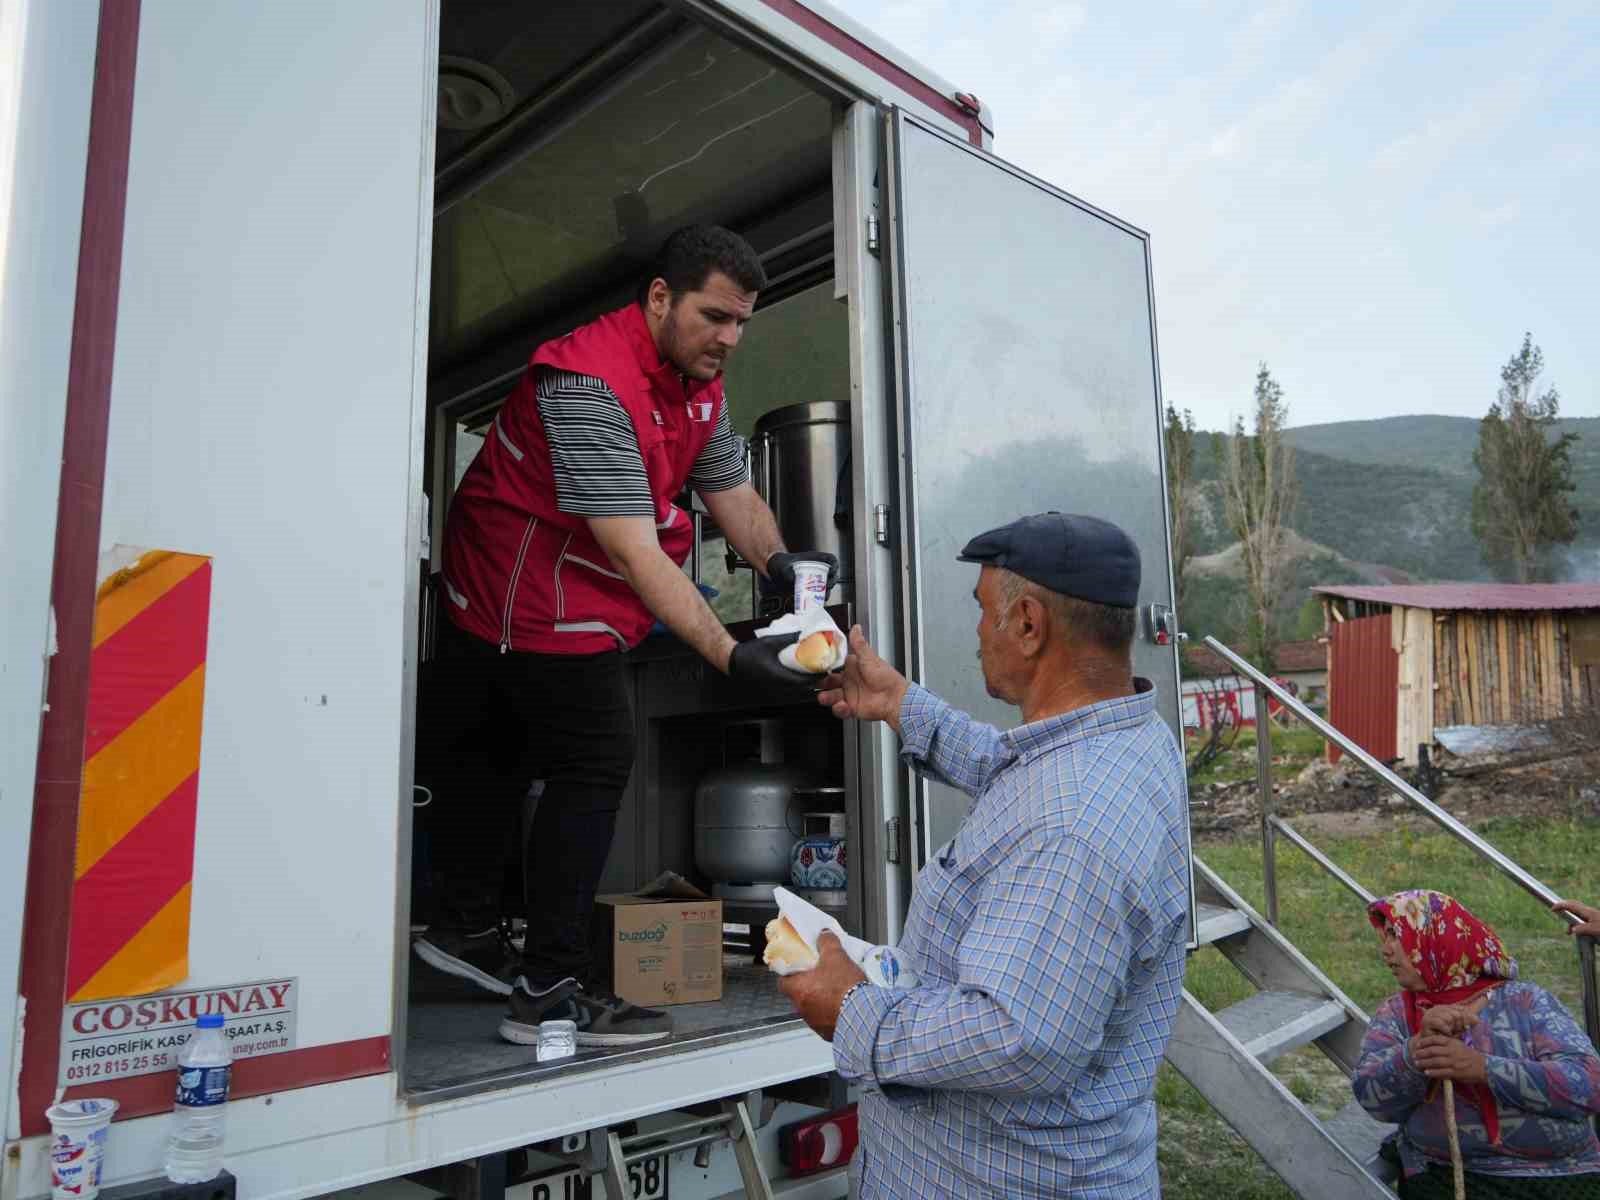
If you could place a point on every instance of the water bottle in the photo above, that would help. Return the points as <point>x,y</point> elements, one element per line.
<point>194,1150</point>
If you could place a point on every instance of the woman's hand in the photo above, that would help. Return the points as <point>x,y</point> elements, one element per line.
<point>1588,917</point>
<point>1452,1020</point>
<point>1440,1057</point>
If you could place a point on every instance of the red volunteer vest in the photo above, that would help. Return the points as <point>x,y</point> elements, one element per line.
<point>517,570</point>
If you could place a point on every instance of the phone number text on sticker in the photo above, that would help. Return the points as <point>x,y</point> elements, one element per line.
<point>118,1039</point>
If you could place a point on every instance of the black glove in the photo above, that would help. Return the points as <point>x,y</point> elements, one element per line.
<point>779,579</point>
<point>755,662</point>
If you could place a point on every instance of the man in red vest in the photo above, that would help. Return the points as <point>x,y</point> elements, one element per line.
<point>563,548</point>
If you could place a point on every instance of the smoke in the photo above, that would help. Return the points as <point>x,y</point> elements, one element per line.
<point>1582,566</point>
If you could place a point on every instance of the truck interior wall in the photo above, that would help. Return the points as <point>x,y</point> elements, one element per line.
<point>265,413</point>
<point>47,58</point>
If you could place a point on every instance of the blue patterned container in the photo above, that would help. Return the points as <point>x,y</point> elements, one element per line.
<point>818,862</point>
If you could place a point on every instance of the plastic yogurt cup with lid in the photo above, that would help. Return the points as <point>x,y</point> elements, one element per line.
<point>78,1131</point>
<point>810,585</point>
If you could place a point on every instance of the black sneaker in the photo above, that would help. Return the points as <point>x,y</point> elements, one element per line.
<point>485,958</point>
<point>602,1019</point>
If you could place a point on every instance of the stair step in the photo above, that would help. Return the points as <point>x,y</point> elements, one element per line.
<point>1270,1024</point>
<point>1213,923</point>
<point>1361,1136</point>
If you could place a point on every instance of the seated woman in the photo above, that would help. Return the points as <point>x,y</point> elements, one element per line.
<point>1526,1077</point>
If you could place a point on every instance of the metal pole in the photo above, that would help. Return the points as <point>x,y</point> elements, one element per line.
<point>1591,998</point>
<point>1269,859</point>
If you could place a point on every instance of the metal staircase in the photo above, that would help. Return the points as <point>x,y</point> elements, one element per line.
<point>1227,1055</point>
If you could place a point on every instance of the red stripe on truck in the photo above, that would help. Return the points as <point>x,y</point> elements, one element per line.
<point>148,1095</point>
<point>59,780</point>
<point>879,65</point>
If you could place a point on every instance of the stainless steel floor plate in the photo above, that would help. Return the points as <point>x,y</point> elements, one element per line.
<point>453,1048</point>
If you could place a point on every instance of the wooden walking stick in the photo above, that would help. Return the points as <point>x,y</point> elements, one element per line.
<point>1455,1139</point>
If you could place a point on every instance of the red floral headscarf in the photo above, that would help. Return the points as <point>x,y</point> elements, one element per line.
<point>1457,955</point>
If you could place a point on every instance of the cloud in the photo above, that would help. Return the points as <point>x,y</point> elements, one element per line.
<point>1356,193</point>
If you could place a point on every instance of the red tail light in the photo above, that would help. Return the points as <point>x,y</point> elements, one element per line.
<point>818,1143</point>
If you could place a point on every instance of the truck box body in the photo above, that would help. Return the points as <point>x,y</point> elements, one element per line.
<point>259,302</point>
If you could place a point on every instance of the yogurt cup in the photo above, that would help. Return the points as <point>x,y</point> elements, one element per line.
<point>78,1131</point>
<point>810,585</point>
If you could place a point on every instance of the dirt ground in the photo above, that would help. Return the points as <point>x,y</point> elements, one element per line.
<point>1346,799</point>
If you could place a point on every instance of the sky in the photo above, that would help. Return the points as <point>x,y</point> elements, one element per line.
<point>1376,199</point>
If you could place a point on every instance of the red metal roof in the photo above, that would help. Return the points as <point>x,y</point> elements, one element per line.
<point>1540,597</point>
<point>1200,661</point>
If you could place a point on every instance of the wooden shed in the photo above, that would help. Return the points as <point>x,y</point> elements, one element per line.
<point>1446,654</point>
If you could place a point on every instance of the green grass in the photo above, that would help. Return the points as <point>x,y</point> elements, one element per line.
<point>1292,750</point>
<point>1200,1156</point>
<point>1329,926</point>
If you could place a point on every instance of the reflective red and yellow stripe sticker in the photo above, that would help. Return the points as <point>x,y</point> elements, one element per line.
<point>141,774</point>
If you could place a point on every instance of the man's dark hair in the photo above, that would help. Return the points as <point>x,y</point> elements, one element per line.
<point>687,259</point>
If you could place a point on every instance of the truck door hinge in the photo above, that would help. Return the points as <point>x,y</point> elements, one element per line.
<point>872,235</point>
<point>891,836</point>
<point>880,524</point>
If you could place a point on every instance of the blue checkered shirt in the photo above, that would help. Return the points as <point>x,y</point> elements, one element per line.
<point>1049,936</point>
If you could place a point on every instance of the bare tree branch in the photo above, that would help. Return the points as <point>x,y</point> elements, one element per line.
<point>1261,492</point>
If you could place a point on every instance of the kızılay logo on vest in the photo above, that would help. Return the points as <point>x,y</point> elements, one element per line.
<point>657,933</point>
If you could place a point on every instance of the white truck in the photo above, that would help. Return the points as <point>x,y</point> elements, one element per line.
<point>266,268</point>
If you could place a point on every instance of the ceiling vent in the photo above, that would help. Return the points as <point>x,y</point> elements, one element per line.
<point>471,95</point>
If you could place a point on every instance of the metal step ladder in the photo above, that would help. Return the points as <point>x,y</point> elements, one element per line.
<point>1226,1055</point>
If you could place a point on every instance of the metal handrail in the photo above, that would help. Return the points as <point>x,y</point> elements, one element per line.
<point>1322,860</point>
<point>1482,848</point>
<point>1272,826</point>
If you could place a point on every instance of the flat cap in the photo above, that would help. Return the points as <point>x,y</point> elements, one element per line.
<point>1075,555</point>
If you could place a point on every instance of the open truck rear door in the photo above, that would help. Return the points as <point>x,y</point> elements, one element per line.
<point>1028,381</point>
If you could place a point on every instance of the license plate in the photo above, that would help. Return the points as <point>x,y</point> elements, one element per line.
<point>647,1180</point>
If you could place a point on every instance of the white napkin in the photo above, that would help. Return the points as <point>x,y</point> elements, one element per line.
<point>809,921</point>
<point>884,966</point>
<point>805,625</point>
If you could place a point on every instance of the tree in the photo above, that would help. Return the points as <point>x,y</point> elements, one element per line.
<point>1521,505</point>
<point>1260,492</point>
<point>1179,438</point>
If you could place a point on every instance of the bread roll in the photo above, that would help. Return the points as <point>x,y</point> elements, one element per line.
<point>815,653</point>
<point>785,947</point>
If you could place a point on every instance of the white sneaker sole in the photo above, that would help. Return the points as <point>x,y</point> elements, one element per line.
<point>519,1034</point>
<point>461,969</point>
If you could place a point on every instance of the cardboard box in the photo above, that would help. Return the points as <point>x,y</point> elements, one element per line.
<point>660,950</point>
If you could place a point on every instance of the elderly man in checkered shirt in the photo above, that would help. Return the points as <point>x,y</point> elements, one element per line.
<point>1049,933</point>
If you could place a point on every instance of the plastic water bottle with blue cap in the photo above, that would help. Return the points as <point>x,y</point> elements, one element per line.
<point>199,1118</point>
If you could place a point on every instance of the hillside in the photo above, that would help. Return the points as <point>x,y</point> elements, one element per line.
<point>1417,520</point>
<point>1445,445</point>
<point>1379,500</point>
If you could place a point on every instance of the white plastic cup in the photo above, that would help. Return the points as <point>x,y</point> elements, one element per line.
<point>557,1039</point>
<point>810,585</point>
<point>78,1131</point>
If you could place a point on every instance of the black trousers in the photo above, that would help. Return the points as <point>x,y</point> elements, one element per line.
<point>489,725</point>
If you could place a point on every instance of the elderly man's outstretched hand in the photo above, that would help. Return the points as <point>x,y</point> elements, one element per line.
<point>866,687</point>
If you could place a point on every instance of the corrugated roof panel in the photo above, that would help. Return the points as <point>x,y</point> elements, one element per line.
<point>1538,597</point>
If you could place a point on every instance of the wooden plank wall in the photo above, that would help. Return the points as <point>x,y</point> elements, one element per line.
<point>1512,666</point>
<point>1412,636</point>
